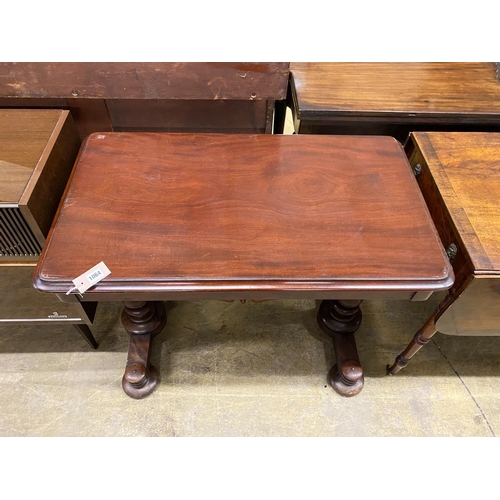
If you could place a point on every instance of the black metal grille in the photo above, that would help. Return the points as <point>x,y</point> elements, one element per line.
<point>16,237</point>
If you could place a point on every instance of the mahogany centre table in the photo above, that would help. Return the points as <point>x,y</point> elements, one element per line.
<point>214,216</point>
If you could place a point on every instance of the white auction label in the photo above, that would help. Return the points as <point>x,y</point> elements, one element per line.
<point>90,278</point>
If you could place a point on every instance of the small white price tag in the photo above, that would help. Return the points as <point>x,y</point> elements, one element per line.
<point>90,278</point>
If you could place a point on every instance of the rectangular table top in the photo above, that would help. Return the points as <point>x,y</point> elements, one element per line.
<point>466,170</point>
<point>212,212</point>
<point>410,90</point>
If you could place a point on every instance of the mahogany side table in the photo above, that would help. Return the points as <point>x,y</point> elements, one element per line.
<point>459,175</point>
<point>214,216</point>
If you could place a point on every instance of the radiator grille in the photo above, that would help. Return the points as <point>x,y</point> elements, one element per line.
<point>16,237</point>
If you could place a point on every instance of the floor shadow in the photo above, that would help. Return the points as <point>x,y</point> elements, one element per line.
<point>274,338</point>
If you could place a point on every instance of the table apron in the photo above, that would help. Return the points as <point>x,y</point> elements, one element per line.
<point>248,295</point>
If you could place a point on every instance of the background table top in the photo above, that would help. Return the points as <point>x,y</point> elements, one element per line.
<point>470,90</point>
<point>466,170</point>
<point>208,211</point>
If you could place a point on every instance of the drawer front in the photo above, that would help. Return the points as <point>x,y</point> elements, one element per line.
<point>20,302</point>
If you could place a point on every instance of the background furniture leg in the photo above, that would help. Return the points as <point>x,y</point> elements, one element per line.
<point>85,332</point>
<point>419,340</point>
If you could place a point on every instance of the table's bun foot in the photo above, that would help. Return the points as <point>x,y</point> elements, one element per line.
<point>339,320</point>
<point>350,381</point>
<point>143,320</point>
<point>138,381</point>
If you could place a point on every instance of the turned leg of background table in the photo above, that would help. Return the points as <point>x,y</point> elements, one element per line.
<point>142,320</point>
<point>340,319</point>
<point>424,334</point>
<point>419,340</point>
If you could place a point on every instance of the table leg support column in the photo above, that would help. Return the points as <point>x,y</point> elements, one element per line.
<point>142,320</point>
<point>340,319</point>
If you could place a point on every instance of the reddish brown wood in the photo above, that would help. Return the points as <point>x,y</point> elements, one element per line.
<point>129,80</point>
<point>340,319</point>
<point>173,97</point>
<point>212,216</point>
<point>142,320</point>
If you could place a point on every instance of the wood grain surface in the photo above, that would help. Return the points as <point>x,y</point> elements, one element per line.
<point>24,135</point>
<point>129,80</point>
<point>466,170</point>
<point>443,91</point>
<point>217,213</point>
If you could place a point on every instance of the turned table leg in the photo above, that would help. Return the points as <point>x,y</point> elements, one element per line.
<point>419,340</point>
<point>142,320</point>
<point>424,334</point>
<point>340,319</point>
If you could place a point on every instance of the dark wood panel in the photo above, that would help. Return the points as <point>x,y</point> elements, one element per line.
<point>188,115</point>
<point>393,127</point>
<point>89,115</point>
<point>211,213</point>
<point>244,81</point>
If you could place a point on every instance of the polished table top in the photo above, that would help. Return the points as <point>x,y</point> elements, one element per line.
<point>409,90</point>
<point>253,215</point>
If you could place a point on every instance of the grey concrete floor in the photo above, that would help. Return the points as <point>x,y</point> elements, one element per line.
<point>253,369</point>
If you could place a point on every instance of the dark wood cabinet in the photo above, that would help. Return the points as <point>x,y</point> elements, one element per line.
<point>171,97</point>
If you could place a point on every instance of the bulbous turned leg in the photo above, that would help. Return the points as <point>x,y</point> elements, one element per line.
<point>419,340</point>
<point>340,319</point>
<point>143,320</point>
